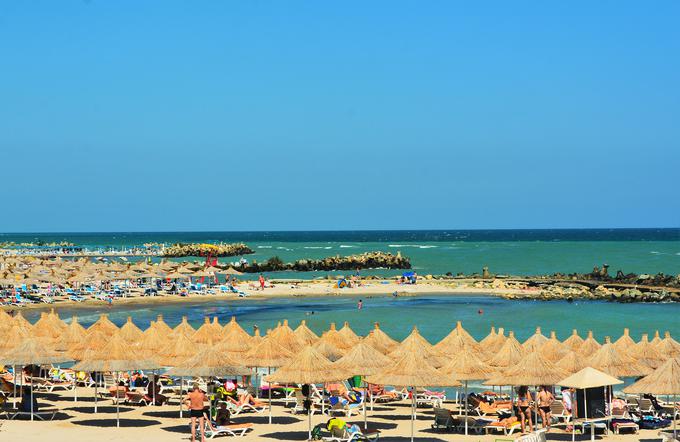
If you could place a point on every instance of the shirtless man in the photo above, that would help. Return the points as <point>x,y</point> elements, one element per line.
<point>545,398</point>
<point>194,401</point>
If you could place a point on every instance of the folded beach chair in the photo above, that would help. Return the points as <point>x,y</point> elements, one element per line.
<point>444,420</point>
<point>473,424</point>
<point>40,415</point>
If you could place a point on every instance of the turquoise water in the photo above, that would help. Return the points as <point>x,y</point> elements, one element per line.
<point>434,315</point>
<point>517,252</point>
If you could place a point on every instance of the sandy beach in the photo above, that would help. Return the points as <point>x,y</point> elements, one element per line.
<point>76,422</point>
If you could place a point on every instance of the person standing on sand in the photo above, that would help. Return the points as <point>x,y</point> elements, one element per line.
<point>545,398</point>
<point>194,402</point>
<point>261,279</point>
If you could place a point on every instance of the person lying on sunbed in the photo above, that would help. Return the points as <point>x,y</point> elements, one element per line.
<point>245,398</point>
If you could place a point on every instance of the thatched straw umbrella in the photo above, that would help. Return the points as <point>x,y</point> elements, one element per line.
<point>335,339</point>
<point>490,339</point>
<point>364,360</point>
<point>467,367</point>
<point>130,332</point>
<point>235,344</point>
<point>177,350</point>
<point>645,353</point>
<point>115,356</point>
<point>184,328</point>
<point>574,341</point>
<point>328,351</point>
<point>415,343</point>
<point>412,370</point>
<point>308,367</point>
<point>657,338</point>
<point>208,362</point>
<point>380,340</point>
<point>458,334</point>
<point>571,362</point>
<point>509,354</point>
<point>286,337</point>
<point>615,363</point>
<point>668,346</point>
<point>553,349</point>
<point>625,343</point>
<point>235,330</point>
<point>305,334</point>
<point>103,325</point>
<point>348,334</point>
<point>267,353</point>
<point>31,351</point>
<point>535,341</point>
<point>589,346</point>
<point>205,333</point>
<point>163,329</point>
<point>665,380</point>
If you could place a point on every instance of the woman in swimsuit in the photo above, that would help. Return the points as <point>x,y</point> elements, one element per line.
<point>524,404</point>
<point>194,401</point>
<point>545,398</point>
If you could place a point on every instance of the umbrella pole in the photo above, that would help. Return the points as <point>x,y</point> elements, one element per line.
<point>96,380</point>
<point>31,396</point>
<point>117,406</point>
<point>364,402</point>
<point>14,371</point>
<point>675,406</point>
<point>181,398</point>
<point>153,373</point>
<point>413,410</point>
<point>466,409</point>
<point>309,420</point>
<point>269,394</point>
<point>75,386</point>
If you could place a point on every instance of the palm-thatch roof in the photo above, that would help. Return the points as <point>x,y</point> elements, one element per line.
<point>665,380</point>
<point>308,367</point>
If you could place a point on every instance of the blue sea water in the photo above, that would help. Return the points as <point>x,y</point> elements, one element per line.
<point>517,252</point>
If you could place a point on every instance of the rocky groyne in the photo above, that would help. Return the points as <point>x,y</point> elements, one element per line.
<point>369,260</point>
<point>217,250</point>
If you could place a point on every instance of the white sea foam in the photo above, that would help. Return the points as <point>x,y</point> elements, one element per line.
<point>345,246</point>
<point>264,247</point>
<point>427,247</point>
<point>313,247</point>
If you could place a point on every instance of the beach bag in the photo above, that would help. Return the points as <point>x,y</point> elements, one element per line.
<point>316,432</point>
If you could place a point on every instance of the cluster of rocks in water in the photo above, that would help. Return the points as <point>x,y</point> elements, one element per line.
<point>368,260</point>
<point>217,250</point>
<point>598,284</point>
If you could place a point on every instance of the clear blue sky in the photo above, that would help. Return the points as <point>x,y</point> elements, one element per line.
<point>254,115</point>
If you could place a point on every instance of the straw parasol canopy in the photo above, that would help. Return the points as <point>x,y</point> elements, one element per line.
<point>235,330</point>
<point>509,354</point>
<point>305,334</point>
<point>589,377</point>
<point>533,369</point>
<point>668,346</point>
<point>412,370</point>
<point>335,339</point>
<point>286,337</point>
<point>571,362</point>
<point>103,325</point>
<point>32,351</point>
<point>380,340</point>
<point>535,341</point>
<point>230,271</point>
<point>177,351</point>
<point>163,328</point>
<point>130,332</point>
<point>209,362</point>
<point>415,343</point>
<point>116,355</point>
<point>458,334</point>
<point>467,367</point>
<point>615,363</point>
<point>589,346</point>
<point>327,350</point>
<point>574,341</point>
<point>268,353</point>
<point>348,334</point>
<point>363,360</point>
<point>308,367</point>
<point>625,342</point>
<point>664,380</point>
<point>553,349</point>
<point>657,338</point>
<point>493,341</point>
<point>205,332</point>
<point>183,328</point>
<point>454,345</point>
<point>645,353</point>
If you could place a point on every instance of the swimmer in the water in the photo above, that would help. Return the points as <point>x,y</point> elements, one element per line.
<point>480,311</point>
<point>360,304</point>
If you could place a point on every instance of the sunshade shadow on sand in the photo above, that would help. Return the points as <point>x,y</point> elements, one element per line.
<point>130,423</point>
<point>59,416</point>
<point>167,414</point>
<point>100,410</point>
<point>287,435</point>
<point>372,424</point>
<point>408,438</point>
<point>265,419</point>
<point>184,428</point>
